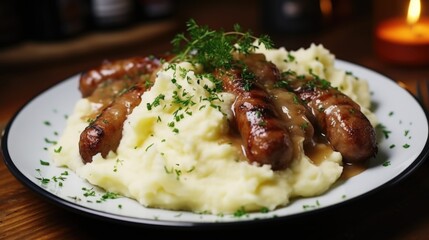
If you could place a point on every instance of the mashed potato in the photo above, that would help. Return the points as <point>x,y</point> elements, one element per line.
<point>174,153</point>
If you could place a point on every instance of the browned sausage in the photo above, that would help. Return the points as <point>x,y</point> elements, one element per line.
<point>264,70</point>
<point>293,113</point>
<point>266,139</point>
<point>104,134</point>
<point>347,129</point>
<point>130,68</point>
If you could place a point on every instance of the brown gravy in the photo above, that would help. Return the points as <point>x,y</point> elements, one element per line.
<point>317,154</point>
<point>351,170</point>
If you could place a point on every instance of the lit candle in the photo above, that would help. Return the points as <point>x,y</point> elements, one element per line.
<point>404,41</point>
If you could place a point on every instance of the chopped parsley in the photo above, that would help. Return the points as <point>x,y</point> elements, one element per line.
<point>290,57</point>
<point>264,210</point>
<point>240,212</point>
<point>88,192</point>
<point>311,206</point>
<point>108,195</point>
<point>56,179</point>
<point>44,163</point>
<point>212,49</point>
<point>50,141</point>
<point>117,163</point>
<point>156,102</point>
<point>58,150</point>
<point>383,130</point>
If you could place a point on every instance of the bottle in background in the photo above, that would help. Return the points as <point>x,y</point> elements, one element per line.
<point>54,19</point>
<point>154,9</point>
<point>110,14</point>
<point>11,24</point>
<point>291,16</point>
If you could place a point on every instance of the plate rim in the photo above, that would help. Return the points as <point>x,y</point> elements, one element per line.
<point>146,222</point>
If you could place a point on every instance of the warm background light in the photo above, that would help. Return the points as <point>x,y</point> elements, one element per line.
<point>326,7</point>
<point>404,40</point>
<point>413,12</point>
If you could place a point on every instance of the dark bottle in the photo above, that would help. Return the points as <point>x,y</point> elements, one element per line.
<point>55,19</point>
<point>11,24</point>
<point>154,9</point>
<point>291,16</point>
<point>110,14</point>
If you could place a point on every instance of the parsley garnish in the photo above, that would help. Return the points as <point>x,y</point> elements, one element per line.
<point>44,163</point>
<point>88,192</point>
<point>383,129</point>
<point>50,141</point>
<point>108,195</point>
<point>155,102</point>
<point>240,212</point>
<point>58,150</point>
<point>311,206</point>
<point>211,48</point>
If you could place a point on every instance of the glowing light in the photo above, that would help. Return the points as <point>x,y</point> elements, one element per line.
<point>413,12</point>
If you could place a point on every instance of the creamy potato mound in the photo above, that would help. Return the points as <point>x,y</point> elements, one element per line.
<point>176,154</point>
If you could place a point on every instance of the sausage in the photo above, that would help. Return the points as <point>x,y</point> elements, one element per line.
<point>266,139</point>
<point>264,70</point>
<point>104,134</point>
<point>130,68</point>
<point>294,114</point>
<point>346,128</point>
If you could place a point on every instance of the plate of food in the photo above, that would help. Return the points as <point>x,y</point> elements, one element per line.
<point>226,129</point>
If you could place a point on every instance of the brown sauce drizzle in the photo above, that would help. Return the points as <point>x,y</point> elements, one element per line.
<point>351,170</point>
<point>318,153</point>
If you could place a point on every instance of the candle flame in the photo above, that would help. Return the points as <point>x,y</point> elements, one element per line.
<point>413,12</point>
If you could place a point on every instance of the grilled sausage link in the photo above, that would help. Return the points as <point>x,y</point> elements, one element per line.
<point>294,114</point>
<point>264,70</point>
<point>266,139</point>
<point>130,68</point>
<point>104,134</point>
<point>347,129</point>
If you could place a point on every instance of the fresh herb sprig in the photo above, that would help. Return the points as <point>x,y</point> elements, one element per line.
<point>213,49</point>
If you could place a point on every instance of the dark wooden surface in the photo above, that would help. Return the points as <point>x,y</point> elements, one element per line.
<point>400,211</point>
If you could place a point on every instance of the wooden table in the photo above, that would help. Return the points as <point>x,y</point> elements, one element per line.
<point>398,212</point>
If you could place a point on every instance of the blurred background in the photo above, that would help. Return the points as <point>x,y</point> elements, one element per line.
<point>43,42</point>
<point>46,41</point>
<point>38,31</point>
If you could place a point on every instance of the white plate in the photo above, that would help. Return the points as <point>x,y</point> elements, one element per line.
<point>42,119</point>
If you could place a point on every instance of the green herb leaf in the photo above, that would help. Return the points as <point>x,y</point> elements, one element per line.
<point>213,49</point>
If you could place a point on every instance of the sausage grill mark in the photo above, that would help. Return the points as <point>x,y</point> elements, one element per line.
<point>295,115</point>
<point>105,133</point>
<point>336,115</point>
<point>265,138</point>
<point>346,128</point>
